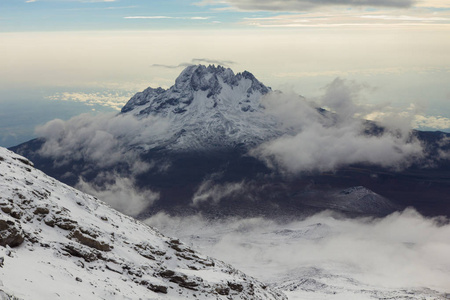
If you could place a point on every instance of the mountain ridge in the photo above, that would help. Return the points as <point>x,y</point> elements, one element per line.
<point>207,108</point>
<point>57,242</point>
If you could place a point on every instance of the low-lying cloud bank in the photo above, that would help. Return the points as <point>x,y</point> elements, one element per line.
<point>325,140</point>
<point>121,193</point>
<point>104,139</point>
<point>326,255</point>
<point>111,144</point>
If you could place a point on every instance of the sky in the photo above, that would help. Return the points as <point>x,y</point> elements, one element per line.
<point>60,58</point>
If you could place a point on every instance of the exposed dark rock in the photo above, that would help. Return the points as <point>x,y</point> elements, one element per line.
<point>236,286</point>
<point>157,288</point>
<point>50,222</point>
<point>6,209</point>
<point>167,273</point>
<point>221,290</point>
<point>24,161</point>
<point>182,280</point>
<point>41,211</point>
<point>88,241</point>
<point>10,234</point>
<point>88,256</point>
<point>66,224</point>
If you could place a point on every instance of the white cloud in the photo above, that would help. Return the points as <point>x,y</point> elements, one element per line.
<point>167,17</point>
<point>433,3</point>
<point>105,139</point>
<point>121,193</point>
<point>436,122</point>
<point>113,99</point>
<point>200,18</point>
<point>405,18</point>
<point>302,5</point>
<point>339,17</point>
<point>327,256</point>
<point>148,17</point>
<point>318,143</point>
<point>213,192</point>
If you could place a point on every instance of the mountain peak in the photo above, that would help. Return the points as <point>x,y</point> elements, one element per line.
<point>196,78</point>
<point>209,106</point>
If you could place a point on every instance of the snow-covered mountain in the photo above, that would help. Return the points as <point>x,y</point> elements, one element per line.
<point>227,139</point>
<point>207,108</point>
<point>59,243</point>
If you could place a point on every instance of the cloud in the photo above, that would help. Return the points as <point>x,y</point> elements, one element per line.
<point>117,190</point>
<point>105,142</point>
<point>212,61</point>
<point>181,65</point>
<point>167,17</point>
<point>436,122</point>
<point>89,138</point>
<point>326,255</point>
<point>434,4</point>
<point>405,18</point>
<point>341,17</point>
<point>195,61</point>
<point>213,192</point>
<point>113,99</point>
<point>302,5</point>
<point>148,17</point>
<point>324,141</point>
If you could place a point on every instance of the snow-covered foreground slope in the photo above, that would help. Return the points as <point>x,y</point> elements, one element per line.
<point>59,243</point>
<point>328,256</point>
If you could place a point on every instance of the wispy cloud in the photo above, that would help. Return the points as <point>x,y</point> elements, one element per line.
<point>341,18</point>
<point>167,17</point>
<point>195,61</point>
<point>303,5</point>
<point>96,1</point>
<point>148,17</point>
<point>405,18</point>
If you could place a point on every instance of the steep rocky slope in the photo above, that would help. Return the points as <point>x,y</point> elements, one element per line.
<point>59,243</point>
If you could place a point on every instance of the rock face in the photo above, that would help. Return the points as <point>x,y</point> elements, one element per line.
<point>58,242</point>
<point>207,108</point>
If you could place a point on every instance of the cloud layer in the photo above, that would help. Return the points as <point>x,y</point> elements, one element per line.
<point>326,256</point>
<point>197,61</point>
<point>105,139</point>
<point>105,142</point>
<point>301,5</point>
<point>326,140</point>
<point>117,191</point>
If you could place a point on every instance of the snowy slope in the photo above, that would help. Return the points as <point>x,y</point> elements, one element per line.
<point>208,107</point>
<point>59,243</point>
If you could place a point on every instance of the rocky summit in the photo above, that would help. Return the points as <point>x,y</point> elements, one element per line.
<point>207,108</point>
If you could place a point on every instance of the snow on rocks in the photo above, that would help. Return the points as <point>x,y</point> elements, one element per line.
<point>57,242</point>
<point>207,108</point>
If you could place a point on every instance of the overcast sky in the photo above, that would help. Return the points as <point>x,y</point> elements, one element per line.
<point>98,53</point>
